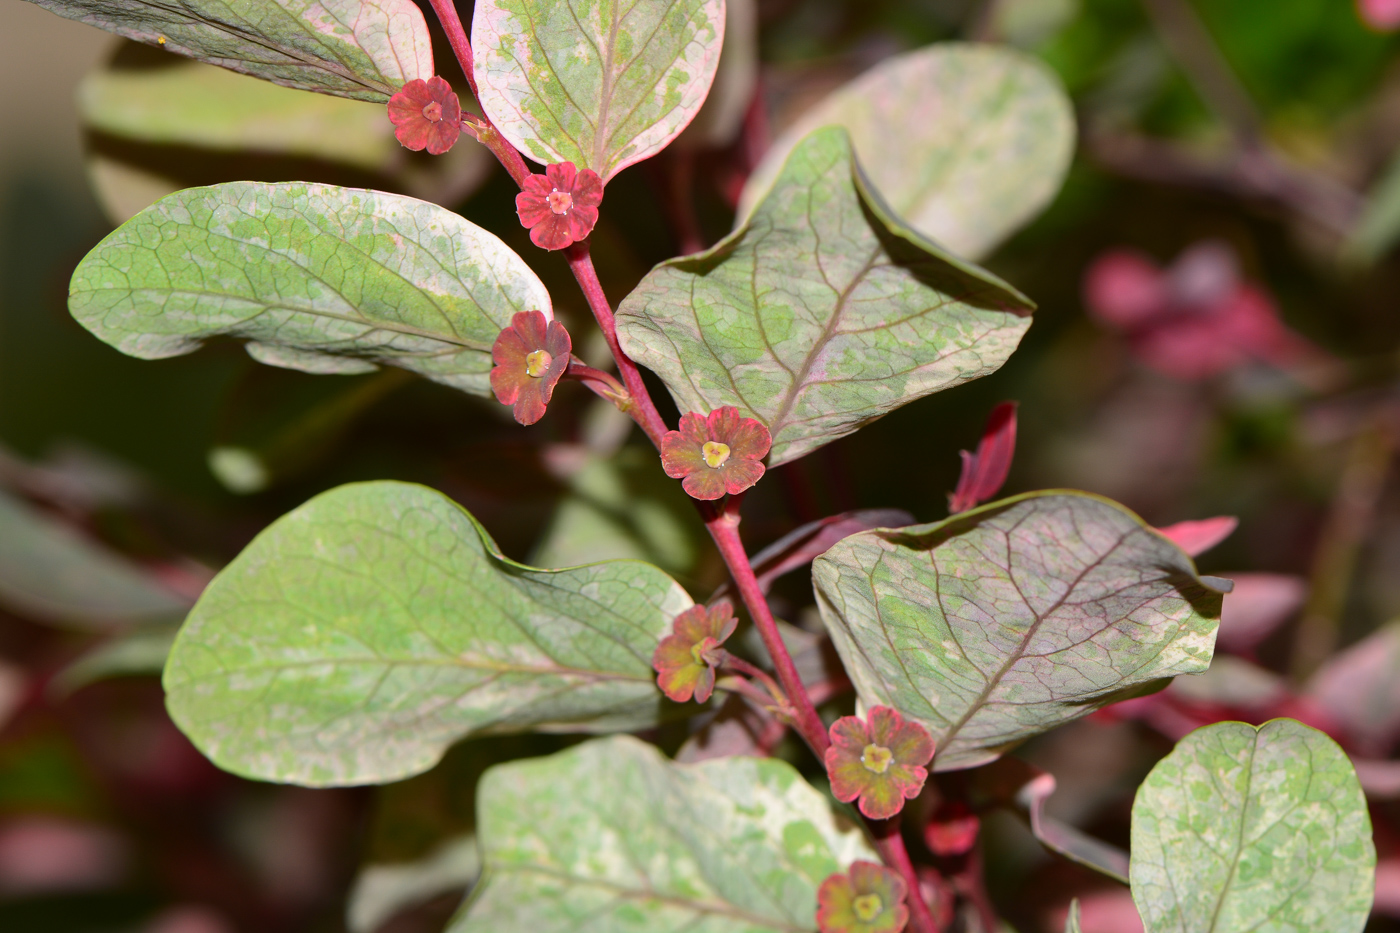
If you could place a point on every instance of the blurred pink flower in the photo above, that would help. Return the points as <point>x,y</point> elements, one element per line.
<point>39,854</point>
<point>1379,14</point>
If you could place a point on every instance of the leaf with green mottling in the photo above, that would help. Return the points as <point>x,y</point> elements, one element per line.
<point>315,277</point>
<point>822,313</point>
<point>1005,621</point>
<point>363,49</point>
<point>611,836</point>
<point>965,142</point>
<point>364,632</point>
<point>599,83</point>
<point>1253,828</point>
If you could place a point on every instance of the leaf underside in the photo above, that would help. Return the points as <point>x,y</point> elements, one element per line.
<point>364,632</point>
<point>363,49</point>
<point>1003,622</point>
<point>821,314</point>
<point>1245,828</point>
<point>316,277</point>
<point>611,836</point>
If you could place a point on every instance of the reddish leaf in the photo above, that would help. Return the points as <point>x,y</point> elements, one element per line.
<point>984,472</point>
<point>1259,603</point>
<point>1197,537</point>
<point>1360,690</point>
<point>1108,911</point>
<point>1388,887</point>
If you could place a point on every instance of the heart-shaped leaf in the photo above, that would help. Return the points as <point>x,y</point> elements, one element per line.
<point>965,142</point>
<point>365,49</point>
<point>1253,828</point>
<point>609,835</point>
<point>822,313</point>
<point>364,632</point>
<point>1006,621</point>
<point>315,277</point>
<point>601,85</point>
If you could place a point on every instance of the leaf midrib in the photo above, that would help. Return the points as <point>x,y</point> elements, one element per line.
<point>1239,837</point>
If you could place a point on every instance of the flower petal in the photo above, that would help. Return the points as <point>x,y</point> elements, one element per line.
<point>551,233</point>
<point>740,474</point>
<point>561,176</point>
<point>680,456</point>
<point>704,484</point>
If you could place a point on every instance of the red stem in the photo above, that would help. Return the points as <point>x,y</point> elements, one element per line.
<point>891,845</point>
<point>446,12</point>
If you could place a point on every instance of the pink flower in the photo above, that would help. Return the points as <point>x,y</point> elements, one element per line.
<point>426,115</point>
<point>685,661</point>
<point>868,900</point>
<point>560,207</point>
<point>716,453</point>
<point>881,762</point>
<point>1381,15</point>
<point>531,357</point>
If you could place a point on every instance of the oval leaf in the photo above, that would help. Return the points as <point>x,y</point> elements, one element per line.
<point>965,142</point>
<point>610,835</point>
<point>1245,828</point>
<point>364,632</point>
<point>364,49</point>
<point>821,314</point>
<point>316,277</point>
<point>1006,621</point>
<point>601,85</point>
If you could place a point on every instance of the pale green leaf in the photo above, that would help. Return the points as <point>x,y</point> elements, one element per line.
<point>315,277</point>
<point>1245,828</point>
<point>383,890</point>
<point>600,84</point>
<point>610,836</point>
<point>363,49</point>
<point>1006,621</point>
<point>965,142</point>
<point>141,652</point>
<point>822,313</point>
<point>50,572</point>
<point>361,634</point>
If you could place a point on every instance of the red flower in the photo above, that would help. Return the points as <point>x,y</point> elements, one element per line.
<point>882,763</point>
<point>715,454</point>
<point>561,206</point>
<point>685,661</point>
<point>531,357</point>
<point>868,900</point>
<point>426,115</point>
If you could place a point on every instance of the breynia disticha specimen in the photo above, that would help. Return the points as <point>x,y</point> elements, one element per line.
<point>870,899</point>
<point>881,761</point>
<point>984,472</point>
<point>560,207</point>
<point>716,453</point>
<point>531,356</point>
<point>685,661</point>
<point>426,115</point>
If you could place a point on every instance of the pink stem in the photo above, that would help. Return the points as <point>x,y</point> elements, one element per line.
<point>892,851</point>
<point>446,11</point>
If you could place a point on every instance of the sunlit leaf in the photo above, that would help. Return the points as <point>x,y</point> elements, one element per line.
<point>367,630</point>
<point>602,85</point>
<point>364,49</point>
<point>965,142</point>
<point>611,836</point>
<point>821,314</point>
<point>315,277</point>
<point>1003,622</point>
<point>1253,828</point>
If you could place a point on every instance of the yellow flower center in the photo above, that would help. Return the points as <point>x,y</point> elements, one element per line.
<point>560,201</point>
<point>715,453</point>
<point>537,362</point>
<point>876,758</point>
<point>867,907</point>
<point>433,111</point>
<point>697,651</point>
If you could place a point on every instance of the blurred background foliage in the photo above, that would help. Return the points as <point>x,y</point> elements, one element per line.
<point>1217,334</point>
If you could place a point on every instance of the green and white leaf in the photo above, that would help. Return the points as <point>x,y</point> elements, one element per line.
<point>966,142</point>
<point>363,49</point>
<point>599,84</point>
<point>822,313</point>
<point>315,277</point>
<point>612,836</point>
<point>1001,623</point>
<point>363,633</point>
<point>1245,828</point>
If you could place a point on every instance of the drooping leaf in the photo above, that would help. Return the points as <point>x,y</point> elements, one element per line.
<point>1072,919</point>
<point>381,891</point>
<point>132,654</point>
<point>50,572</point>
<point>315,277</point>
<point>1253,828</point>
<point>1003,622</point>
<point>965,142</point>
<point>601,85</point>
<point>367,630</point>
<point>822,313</point>
<point>610,835</point>
<point>362,49</point>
